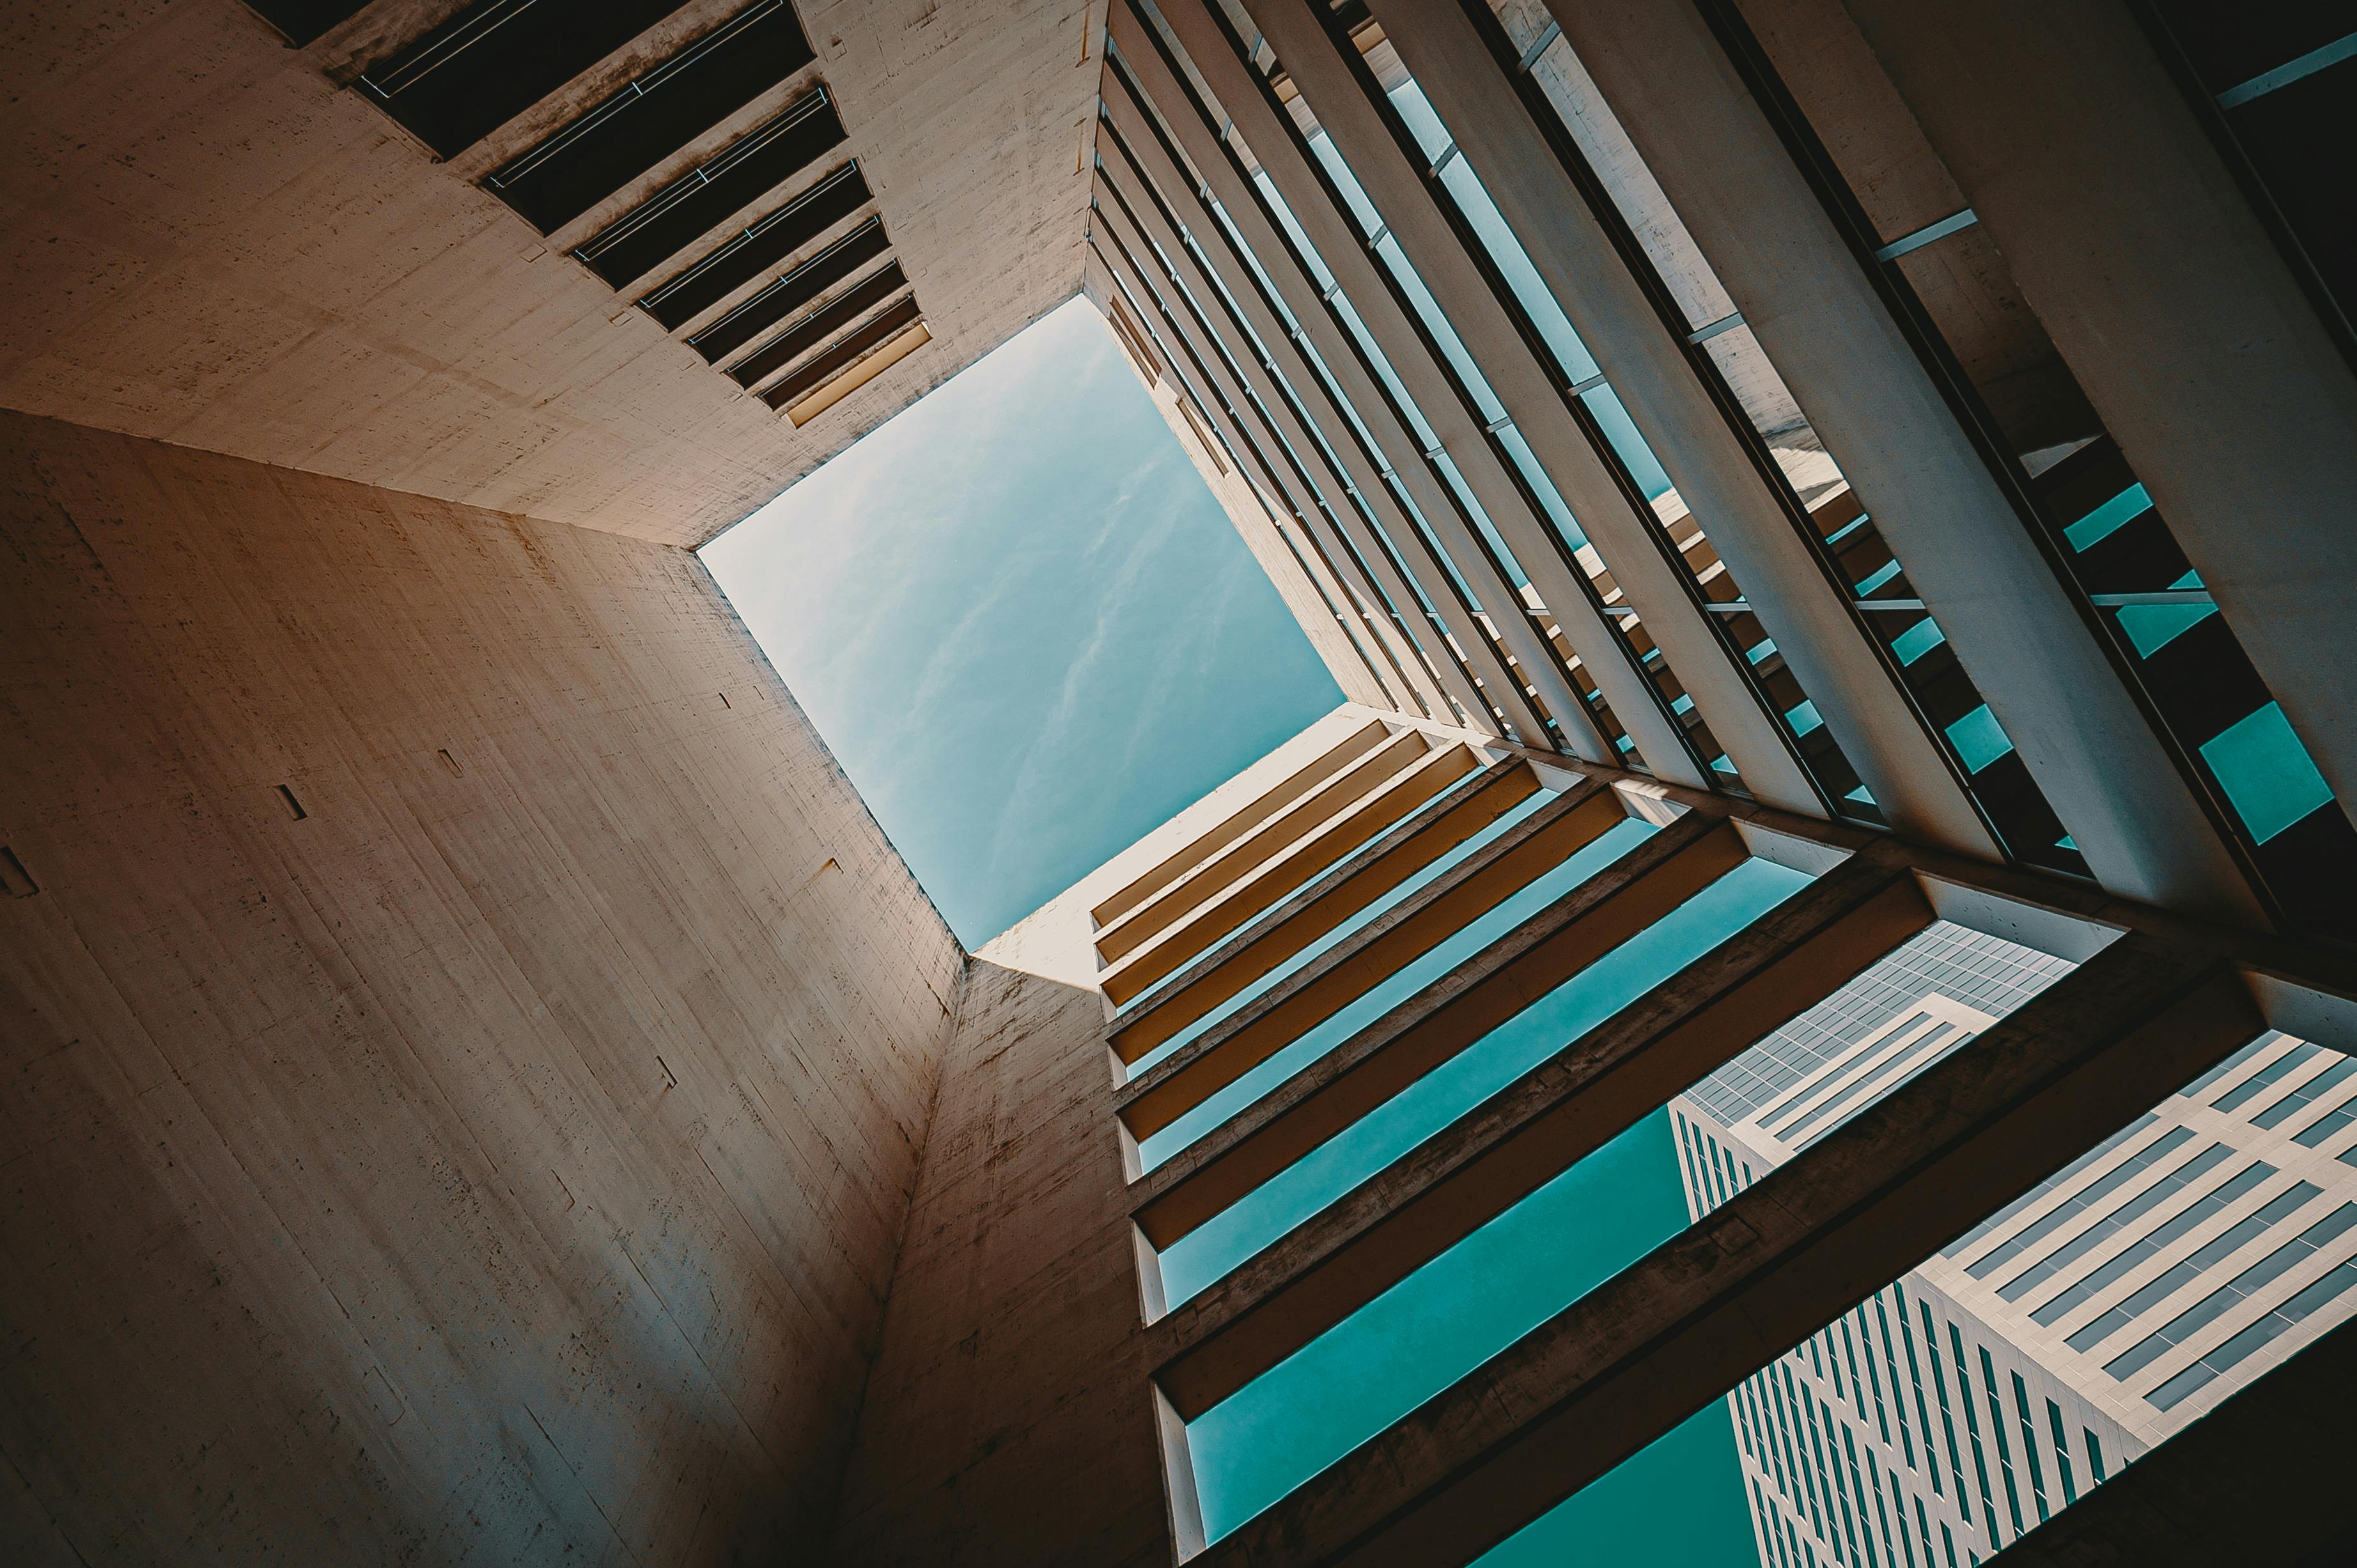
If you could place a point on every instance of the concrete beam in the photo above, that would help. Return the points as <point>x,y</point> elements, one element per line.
<point>1285,871</point>
<point>2172,307</point>
<point>1413,843</point>
<point>1634,1356</point>
<point>1527,1133</point>
<point>1821,637</point>
<point>1223,870</point>
<point>1350,969</point>
<point>1255,116</point>
<point>1605,304</point>
<point>1241,820</point>
<point>2028,644</point>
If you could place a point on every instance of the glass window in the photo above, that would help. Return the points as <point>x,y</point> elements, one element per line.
<point>2266,773</point>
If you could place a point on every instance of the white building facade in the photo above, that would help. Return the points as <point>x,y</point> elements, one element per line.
<point>1951,1411</point>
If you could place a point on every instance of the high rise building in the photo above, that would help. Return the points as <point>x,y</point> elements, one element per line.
<point>1833,518</point>
<point>2083,1325</point>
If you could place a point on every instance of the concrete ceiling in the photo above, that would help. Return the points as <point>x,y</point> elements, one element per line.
<point>207,241</point>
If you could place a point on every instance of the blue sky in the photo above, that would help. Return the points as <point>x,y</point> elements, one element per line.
<point>1022,623</point>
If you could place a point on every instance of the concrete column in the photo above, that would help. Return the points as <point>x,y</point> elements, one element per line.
<point>1979,569</point>
<point>1819,636</point>
<point>1397,589</point>
<point>1478,654</point>
<point>1132,204</point>
<point>1178,192</point>
<point>1242,96</point>
<point>1755,741</point>
<point>2170,304</point>
<point>1637,1354</point>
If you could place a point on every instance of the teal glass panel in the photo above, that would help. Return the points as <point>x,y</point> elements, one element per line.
<point>1918,641</point>
<point>1408,1117</point>
<point>1803,718</point>
<point>1551,501</point>
<point>1480,516</point>
<point>1676,1503</point>
<point>1452,348</point>
<point>1889,570</point>
<point>1318,271</point>
<point>1354,198</point>
<point>2152,628</point>
<point>1436,1325</point>
<point>1426,435</point>
<point>2265,772</point>
<point>1979,739</point>
<point>2107,518</point>
<point>1497,237</point>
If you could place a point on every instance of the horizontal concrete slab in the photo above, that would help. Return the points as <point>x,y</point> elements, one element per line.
<point>1557,1114</point>
<point>1545,840</point>
<point>1287,870</point>
<point>1636,1356</point>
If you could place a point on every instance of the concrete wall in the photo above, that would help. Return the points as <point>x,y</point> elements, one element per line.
<point>506,1160</point>
<point>1011,1416</point>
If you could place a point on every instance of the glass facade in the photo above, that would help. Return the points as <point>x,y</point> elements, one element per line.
<point>2069,1334</point>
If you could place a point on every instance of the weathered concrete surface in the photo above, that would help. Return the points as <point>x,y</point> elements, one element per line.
<point>1011,1417</point>
<point>1901,186</point>
<point>505,1161</point>
<point>208,241</point>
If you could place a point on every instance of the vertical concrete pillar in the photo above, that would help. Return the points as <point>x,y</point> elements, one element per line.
<point>1225,403</point>
<point>2172,305</point>
<point>1980,571</point>
<point>1179,191</point>
<point>1246,99</point>
<point>1529,391</point>
<point>1902,765</point>
<point>1130,252</point>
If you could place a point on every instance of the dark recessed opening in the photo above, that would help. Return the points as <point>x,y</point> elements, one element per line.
<point>846,352</point>
<point>294,806</point>
<point>495,59</point>
<point>302,20</point>
<point>649,119</point>
<point>678,215</point>
<point>451,763</point>
<point>764,244</point>
<point>820,325</point>
<point>793,290</point>
<point>14,880</point>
